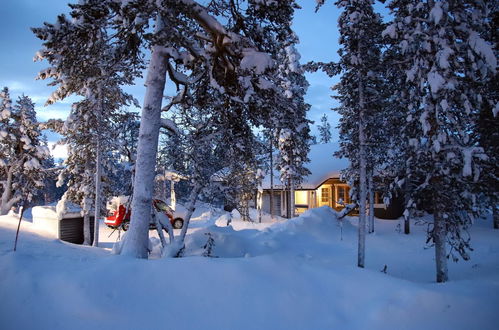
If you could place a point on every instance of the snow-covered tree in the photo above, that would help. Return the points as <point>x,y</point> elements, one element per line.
<point>446,62</point>
<point>22,152</point>
<point>292,126</point>
<point>224,41</point>
<point>360,39</point>
<point>488,123</point>
<point>87,61</point>
<point>324,130</point>
<point>126,126</point>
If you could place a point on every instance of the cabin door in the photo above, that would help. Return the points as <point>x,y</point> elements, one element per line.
<point>324,196</point>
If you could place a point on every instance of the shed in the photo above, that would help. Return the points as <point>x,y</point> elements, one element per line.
<point>66,226</point>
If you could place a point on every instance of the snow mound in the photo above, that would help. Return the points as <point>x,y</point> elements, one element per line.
<point>320,225</point>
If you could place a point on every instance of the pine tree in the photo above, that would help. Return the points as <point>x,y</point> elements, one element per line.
<point>87,61</point>
<point>360,40</point>
<point>292,127</point>
<point>22,152</point>
<point>446,63</point>
<point>324,130</point>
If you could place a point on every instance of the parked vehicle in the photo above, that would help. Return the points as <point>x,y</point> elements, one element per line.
<point>119,215</point>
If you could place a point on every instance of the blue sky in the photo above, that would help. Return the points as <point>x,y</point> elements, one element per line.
<point>317,32</point>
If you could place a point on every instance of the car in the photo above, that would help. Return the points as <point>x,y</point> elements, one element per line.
<point>119,215</point>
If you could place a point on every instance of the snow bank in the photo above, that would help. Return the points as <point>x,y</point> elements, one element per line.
<point>297,274</point>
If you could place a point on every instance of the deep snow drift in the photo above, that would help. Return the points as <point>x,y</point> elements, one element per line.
<point>294,274</point>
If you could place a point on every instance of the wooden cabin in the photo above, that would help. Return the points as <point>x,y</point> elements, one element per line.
<point>322,187</point>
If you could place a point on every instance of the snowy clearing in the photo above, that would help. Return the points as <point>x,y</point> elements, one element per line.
<point>295,274</point>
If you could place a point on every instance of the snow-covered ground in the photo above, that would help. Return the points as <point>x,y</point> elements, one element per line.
<point>294,274</point>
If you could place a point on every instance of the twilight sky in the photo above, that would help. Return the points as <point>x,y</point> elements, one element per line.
<point>317,32</point>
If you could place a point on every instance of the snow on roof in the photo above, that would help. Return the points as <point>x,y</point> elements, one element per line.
<point>323,165</point>
<point>51,212</point>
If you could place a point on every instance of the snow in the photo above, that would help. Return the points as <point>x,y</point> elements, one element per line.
<point>436,13</point>
<point>254,60</point>
<point>390,31</point>
<point>436,82</point>
<point>5,114</point>
<point>423,119</point>
<point>467,160</point>
<point>443,57</point>
<point>484,49</point>
<point>295,274</point>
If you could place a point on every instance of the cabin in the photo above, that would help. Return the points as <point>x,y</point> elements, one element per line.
<point>323,186</point>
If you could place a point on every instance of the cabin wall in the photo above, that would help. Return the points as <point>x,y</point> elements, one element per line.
<point>277,202</point>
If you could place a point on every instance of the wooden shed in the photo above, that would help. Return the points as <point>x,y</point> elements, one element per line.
<point>66,226</point>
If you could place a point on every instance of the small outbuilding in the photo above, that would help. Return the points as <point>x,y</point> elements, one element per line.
<point>66,226</point>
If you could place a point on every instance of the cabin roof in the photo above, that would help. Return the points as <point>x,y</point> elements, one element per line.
<point>323,165</point>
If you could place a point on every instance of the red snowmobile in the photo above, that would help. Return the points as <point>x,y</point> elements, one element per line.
<point>120,217</point>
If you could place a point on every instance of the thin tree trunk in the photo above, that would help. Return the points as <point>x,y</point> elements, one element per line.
<point>173,197</point>
<point>292,197</point>
<point>7,200</point>
<point>19,223</point>
<point>86,229</point>
<point>137,238</point>
<point>271,179</point>
<point>159,230</point>
<point>98,190</point>
<point>191,206</point>
<point>86,206</point>
<point>288,200</point>
<point>371,201</point>
<point>362,178</point>
<point>407,212</point>
<point>439,235</point>
<point>495,215</point>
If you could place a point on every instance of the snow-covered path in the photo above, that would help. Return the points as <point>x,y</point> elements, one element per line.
<point>297,274</point>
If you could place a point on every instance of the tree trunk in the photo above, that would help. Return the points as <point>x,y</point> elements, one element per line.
<point>191,206</point>
<point>439,234</point>
<point>495,215</point>
<point>371,201</point>
<point>98,191</point>
<point>407,212</point>
<point>86,206</point>
<point>86,229</point>
<point>7,200</point>
<point>98,167</point>
<point>173,197</point>
<point>362,178</point>
<point>292,197</point>
<point>137,238</point>
<point>271,179</point>
<point>159,229</point>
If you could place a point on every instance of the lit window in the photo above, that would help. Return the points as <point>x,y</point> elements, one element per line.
<point>301,197</point>
<point>325,195</point>
<point>342,194</point>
